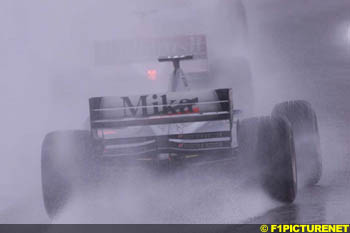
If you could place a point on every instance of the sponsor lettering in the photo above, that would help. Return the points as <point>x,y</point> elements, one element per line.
<point>160,105</point>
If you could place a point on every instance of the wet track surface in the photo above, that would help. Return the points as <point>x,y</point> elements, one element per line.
<point>301,51</point>
<point>319,204</point>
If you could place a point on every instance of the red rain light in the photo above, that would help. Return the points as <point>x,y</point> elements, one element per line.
<point>152,75</point>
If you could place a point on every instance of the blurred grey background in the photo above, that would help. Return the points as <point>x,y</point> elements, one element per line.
<point>298,50</point>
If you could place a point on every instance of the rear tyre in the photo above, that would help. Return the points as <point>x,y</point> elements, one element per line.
<point>266,146</point>
<point>306,137</point>
<point>67,161</point>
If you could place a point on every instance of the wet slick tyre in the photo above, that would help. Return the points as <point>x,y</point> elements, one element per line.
<point>66,163</point>
<point>266,145</point>
<point>306,138</point>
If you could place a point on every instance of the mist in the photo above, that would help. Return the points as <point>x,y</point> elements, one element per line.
<point>49,71</point>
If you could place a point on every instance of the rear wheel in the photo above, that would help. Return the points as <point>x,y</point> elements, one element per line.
<point>267,149</point>
<point>67,161</point>
<point>306,137</point>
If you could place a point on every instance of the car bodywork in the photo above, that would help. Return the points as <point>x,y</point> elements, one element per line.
<point>173,125</point>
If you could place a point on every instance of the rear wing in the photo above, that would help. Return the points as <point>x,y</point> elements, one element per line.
<point>109,113</point>
<point>155,109</point>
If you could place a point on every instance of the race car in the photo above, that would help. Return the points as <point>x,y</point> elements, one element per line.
<point>181,128</point>
<point>200,118</point>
